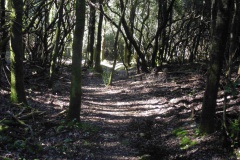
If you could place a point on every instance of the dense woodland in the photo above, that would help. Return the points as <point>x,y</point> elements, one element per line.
<point>127,79</point>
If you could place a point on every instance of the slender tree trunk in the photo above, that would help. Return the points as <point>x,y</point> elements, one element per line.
<point>233,39</point>
<point>115,46</point>
<point>2,48</point>
<point>158,33</point>
<point>16,47</point>
<point>219,38</point>
<point>130,51</point>
<point>98,67</point>
<point>76,90</point>
<point>92,21</point>
<point>161,26</point>
<point>134,43</point>
<point>165,15</point>
<point>103,42</point>
<point>45,36</point>
<point>56,46</point>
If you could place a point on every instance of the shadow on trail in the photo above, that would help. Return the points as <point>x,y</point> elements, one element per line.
<point>140,119</point>
<point>126,124</point>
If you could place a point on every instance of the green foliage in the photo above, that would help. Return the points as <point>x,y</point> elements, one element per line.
<point>109,43</point>
<point>105,77</point>
<point>67,144</point>
<point>192,92</point>
<point>89,128</point>
<point>86,143</point>
<point>180,132</point>
<point>5,158</point>
<point>74,124</point>
<point>19,144</point>
<point>77,125</point>
<point>91,69</point>
<point>235,125</point>
<point>197,132</point>
<point>235,130</point>
<point>185,140</point>
<point>231,88</point>
<point>60,128</point>
<point>3,128</point>
<point>25,145</point>
<point>179,7</point>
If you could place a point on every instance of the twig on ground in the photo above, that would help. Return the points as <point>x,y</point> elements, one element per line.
<point>21,122</point>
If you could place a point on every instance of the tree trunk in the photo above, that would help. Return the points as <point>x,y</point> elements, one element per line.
<point>162,22</point>
<point>76,90</point>
<point>16,46</point>
<point>98,67</point>
<point>92,21</point>
<point>233,39</point>
<point>132,16</point>
<point>4,35</point>
<point>56,46</point>
<point>115,46</point>
<point>134,43</point>
<point>219,38</point>
<point>158,33</point>
<point>103,42</point>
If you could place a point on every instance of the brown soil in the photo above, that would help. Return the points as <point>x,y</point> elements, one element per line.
<point>141,117</point>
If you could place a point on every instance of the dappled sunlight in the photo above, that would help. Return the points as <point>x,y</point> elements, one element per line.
<point>133,107</point>
<point>122,120</point>
<point>109,64</point>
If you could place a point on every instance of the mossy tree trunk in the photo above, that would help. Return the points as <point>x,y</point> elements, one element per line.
<point>219,31</point>
<point>16,47</point>
<point>76,91</point>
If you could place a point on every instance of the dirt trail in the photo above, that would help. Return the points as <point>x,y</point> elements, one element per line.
<point>114,108</point>
<point>107,108</point>
<point>137,118</point>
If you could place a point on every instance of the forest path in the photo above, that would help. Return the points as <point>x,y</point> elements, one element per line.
<point>109,110</point>
<point>141,117</point>
<point>127,102</point>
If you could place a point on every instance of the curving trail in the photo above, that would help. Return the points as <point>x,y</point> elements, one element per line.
<point>122,113</point>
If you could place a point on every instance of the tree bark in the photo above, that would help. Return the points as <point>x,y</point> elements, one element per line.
<point>132,16</point>
<point>162,22</point>
<point>98,67</point>
<point>115,46</point>
<point>134,43</point>
<point>233,38</point>
<point>92,21</point>
<point>56,46</point>
<point>16,46</point>
<point>220,21</point>
<point>4,35</point>
<point>76,90</point>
